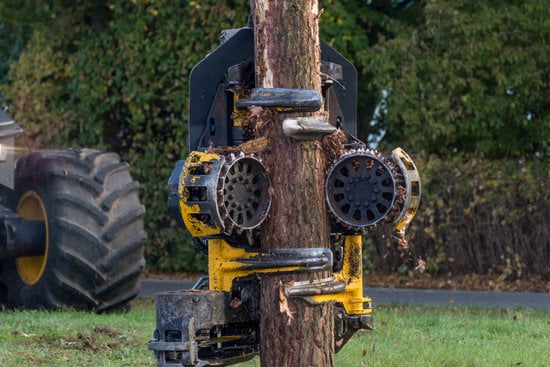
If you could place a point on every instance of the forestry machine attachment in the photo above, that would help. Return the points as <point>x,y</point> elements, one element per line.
<point>221,195</point>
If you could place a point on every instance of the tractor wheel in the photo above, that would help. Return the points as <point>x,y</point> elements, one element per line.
<point>93,248</point>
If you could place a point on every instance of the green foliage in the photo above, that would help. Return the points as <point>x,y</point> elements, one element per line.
<point>116,77</point>
<point>12,41</point>
<point>45,37</point>
<point>36,85</point>
<point>477,216</point>
<point>472,77</point>
<point>352,27</point>
<point>350,16</point>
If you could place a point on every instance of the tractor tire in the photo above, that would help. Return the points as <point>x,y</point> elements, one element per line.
<point>93,250</point>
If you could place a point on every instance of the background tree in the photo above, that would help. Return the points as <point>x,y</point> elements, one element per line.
<point>471,77</point>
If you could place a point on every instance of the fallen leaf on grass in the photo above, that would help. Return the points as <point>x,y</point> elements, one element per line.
<point>17,332</point>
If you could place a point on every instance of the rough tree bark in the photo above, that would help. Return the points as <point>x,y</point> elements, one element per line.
<point>287,55</point>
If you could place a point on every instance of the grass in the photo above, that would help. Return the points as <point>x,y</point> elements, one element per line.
<point>404,336</point>
<point>452,336</point>
<point>72,338</point>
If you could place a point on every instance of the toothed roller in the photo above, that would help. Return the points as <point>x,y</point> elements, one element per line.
<point>243,198</point>
<point>360,189</point>
<point>212,194</point>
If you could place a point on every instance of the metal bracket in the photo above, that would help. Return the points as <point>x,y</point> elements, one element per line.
<point>412,186</point>
<point>226,262</point>
<point>307,128</point>
<point>352,311</point>
<point>283,99</point>
<point>346,325</point>
<point>185,320</point>
<point>345,287</point>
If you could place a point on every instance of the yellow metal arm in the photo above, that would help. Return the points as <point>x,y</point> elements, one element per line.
<point>350,293</point>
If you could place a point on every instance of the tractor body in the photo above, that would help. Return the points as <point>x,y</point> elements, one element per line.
<point>11,226</point>
<point>8,130</point>
<point>71,227</point>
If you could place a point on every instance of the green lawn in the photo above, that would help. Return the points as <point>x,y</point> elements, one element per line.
<point>72,338</point>
<point>404,336</point>
<point>452,336</point>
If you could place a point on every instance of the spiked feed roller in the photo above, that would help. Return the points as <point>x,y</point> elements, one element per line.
<point>361,189</point>
<point>364,188</point>
<point>217,194</point>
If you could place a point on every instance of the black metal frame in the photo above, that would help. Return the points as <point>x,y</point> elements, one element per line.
<point>231,63</point>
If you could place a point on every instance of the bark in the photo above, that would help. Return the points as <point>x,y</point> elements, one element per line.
<point>287,55</point>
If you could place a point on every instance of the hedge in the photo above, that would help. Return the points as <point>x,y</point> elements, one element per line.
<point>476,216</point>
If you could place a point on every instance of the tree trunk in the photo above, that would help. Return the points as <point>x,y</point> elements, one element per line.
<point>287,55</point>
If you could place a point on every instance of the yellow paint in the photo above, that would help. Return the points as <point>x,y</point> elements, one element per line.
<point>413,186</point>
<point>31,268</point>
<point>407,218</point>
<point>240,117</point>
<point>195,226</point>
<point>196,157</point>
<point>352,274</point>
<point>188,212</point>
<point>224,265</point>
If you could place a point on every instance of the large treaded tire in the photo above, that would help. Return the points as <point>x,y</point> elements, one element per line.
<point>95,231</point>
